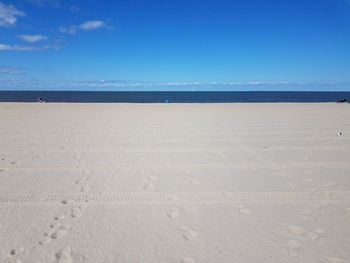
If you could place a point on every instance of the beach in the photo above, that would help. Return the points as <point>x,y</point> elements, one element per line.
<point>107,183</point>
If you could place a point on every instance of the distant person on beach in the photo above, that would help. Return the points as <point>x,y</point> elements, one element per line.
<point>40,100</point>
<point>342,101</point>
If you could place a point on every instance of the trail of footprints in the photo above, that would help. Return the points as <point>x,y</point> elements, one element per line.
<point>59,226</point>
<point>189,234</point>
<point>107,182</point>
<point>192,180</point>
<point>151,179</point>
<point>301,235</point>
<point>150,185</point>
<point>14,255</point>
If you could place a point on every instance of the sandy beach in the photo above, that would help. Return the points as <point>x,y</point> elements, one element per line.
<point>111,183</point>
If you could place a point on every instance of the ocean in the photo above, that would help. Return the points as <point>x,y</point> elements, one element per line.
<point>172,97</point>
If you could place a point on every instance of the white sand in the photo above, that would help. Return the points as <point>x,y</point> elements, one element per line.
<point>103,183</point>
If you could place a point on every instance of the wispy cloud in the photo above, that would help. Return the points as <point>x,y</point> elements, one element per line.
<point>9,15</point>
<point>5,47</point>
<point>86,26</point>
<point>32,38</point>
<point>92,25</point>
<point>11,70</point>
<point>20,84</point>
<point>71,30</point>
<point>20,48</point>
<point>130,83</point>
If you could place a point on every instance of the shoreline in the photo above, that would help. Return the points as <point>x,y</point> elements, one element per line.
<point>175,96</point>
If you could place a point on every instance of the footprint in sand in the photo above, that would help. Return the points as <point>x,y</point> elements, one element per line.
<point>243,210</point>
<point>148,187</point>
<point>77,212</point>
<point>47,235</point>
<point>311,189</point>
<point>55,225</point>
<point>297,230</point>
<point>282,173</point>
<point>188,260</point>
<point>45,241</point>
<point>60,232</point>
<point>84,189</point>
<point>331,184</point>
<point>56,218</point>
<point>194,181</point>
<point>85,172</point>
<point>188,171</point>
<point>66,201</point>
<point>172,197</point>
<point>293,248</point>
<point>15,252</point>
<point>152,178</point>
<point>188,234</point>
<point>56,231</point>
<point>64,255</point>
<point>173,213</point>
<point>308,179</point>
<point>80,180</point>
<point>317,234</point>
<point>226,193</point>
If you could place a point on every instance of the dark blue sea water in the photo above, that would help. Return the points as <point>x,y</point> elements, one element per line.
<point>172,97</point>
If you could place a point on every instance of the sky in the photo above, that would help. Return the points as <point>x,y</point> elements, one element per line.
<point>175,45</point>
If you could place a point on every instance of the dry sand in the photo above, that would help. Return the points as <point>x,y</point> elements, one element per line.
<point>103,183</point>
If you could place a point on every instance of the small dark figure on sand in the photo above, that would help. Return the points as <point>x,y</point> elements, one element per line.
<point>342,101</point>
<point>40,100</point>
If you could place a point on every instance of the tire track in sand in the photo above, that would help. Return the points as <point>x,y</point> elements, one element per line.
<point>278,197</point>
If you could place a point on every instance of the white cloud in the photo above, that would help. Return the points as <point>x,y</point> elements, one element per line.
<point>11,70</point>
<point>128,83</point>
<point>86,26</point>
<point>71,30</point>
<point>20,84</point>
<point>32,38</point>
<point>5,47</point>
<point>9,15</point>
<point>92,25</point>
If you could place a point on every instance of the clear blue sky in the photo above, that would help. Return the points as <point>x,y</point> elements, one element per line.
<point>178,44</point>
